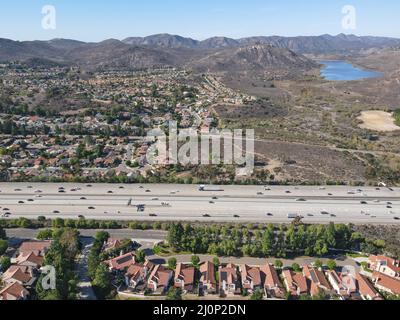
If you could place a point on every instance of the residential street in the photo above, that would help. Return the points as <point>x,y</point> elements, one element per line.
<point>85,287</point>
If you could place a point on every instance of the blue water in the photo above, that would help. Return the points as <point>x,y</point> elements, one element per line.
<point>343,71</point>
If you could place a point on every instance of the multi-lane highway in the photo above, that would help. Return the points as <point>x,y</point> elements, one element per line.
<point>187,203</point>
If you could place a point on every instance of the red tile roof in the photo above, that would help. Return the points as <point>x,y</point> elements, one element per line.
<point>122,262</point>
<point>14,291</point>
<point>392,284</point>
<point>366,288</point>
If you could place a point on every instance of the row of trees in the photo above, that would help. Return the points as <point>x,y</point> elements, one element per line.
<point>282,241</point>
<point>98,272</point>
<point>4,261</point>
<point>61,256</point>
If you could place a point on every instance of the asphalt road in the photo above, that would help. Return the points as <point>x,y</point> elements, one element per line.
<point>187,203</point>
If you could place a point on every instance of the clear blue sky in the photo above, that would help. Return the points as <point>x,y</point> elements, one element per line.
<point>95,20</point>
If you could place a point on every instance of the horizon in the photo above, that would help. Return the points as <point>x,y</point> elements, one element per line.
<point>21,20</point>
<point>199,40</point>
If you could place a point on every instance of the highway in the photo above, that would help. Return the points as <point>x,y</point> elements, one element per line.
<point>168,202</point>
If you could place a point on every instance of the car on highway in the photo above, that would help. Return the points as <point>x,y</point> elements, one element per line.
<point>363,202</point>
<point>267,189</point>
<point>292,215</point>
<point>206,216</point>
<point>236,216</point>
<point>396,218</point>
<point>152,215</point>
<point>29,187</point>
<point>109,192</point>
<point>260,193</point>
<point>330,194</point>
<point>211,202</point>
<point>17,190</point>
<point>7,214</point>
<point>91,208</point>
<point>121,187</point>
<point>389,207</point>
<point>81,217</point>
<point>38,191</point>
<point>6,209</point>
<point>214,198</point>
<point>56,211</point>
<point>333,215</point>
<point>301,200</point>
<point>310,215</point>
<point>89,185</point>
<point>324,213</point>
<point>30,200</point>
<point>21,202</point>
<point>287,191</point>
<point>61,191</point>
<point>83,198</point>
<point>155,199</point>
<point>270,214</point>
<point>389,203</point>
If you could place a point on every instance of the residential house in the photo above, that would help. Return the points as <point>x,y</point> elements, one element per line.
<point>111,244</point>
<point>159,279</point>
<point>251,278</point>
<point>273,287</point>
<point>122,262</point>
<point>344,285</point>
<point>23,275</point>
<point>366,289</point>
<point>317,280</point>
<point>184,277</point>
<point>207,283</point>
<point>14,291</point>
<point>229,283</point>
<point>385,283</point>
<point>29,259</point>
<point>295,282</point>
<point>39,248</point>
<point>385,265</point>
<point>136,275</point>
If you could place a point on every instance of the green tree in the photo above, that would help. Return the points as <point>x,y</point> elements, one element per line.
<point>102,282</point>
<point>257,295</point>
<point>2,233</point>
<point>296,267</point>
<point>45,234</point>
<point>3,246</point>
<point>5,263</point>
<point>174,294</point>
<point>318,264</point>
<point>195,261</point>
<point>174,237</point>
<point>278,264</point>
<point>140,256</point>
<point>331,264</point>
<point>172,263</point>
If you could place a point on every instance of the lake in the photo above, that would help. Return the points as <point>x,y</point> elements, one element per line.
<point>337,70</point>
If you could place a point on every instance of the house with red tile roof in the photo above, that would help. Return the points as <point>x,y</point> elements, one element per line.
<point>160,279</point>
<point>136,275</point>
<point>122,262</point>
<point>316,280</point>
<point>39,248</point>
<point>14,291</point>
<point>295,282</point>
<point>273,287</point>
<point>112,243</point>
<point>385,283</point>
<point>184,277</point>
<point>385,265</point>
<point>366,289</point>
<point>344,285</point>
<point>24,275</point>
<point>30,259</point>
<point>251,278</point>
<point>229,283</point>
<point>207,283</point>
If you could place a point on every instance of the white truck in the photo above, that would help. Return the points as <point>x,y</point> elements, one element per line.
<point>210,188</point>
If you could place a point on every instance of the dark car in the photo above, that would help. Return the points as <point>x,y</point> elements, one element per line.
<point>206,216</point>
<point>236,216</point>
<point>270,215</point>
<point>91,208</point>
<point>21,202</point>
<point>56,211</point>
<point>110,192</point>
<point>152,215</point>
<point>83,198</point>
<point>81,217</point>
